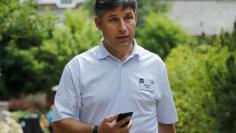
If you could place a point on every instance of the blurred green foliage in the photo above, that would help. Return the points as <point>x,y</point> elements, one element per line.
<point>16,115</point>
<point>203,79</point>
<point>33,50</point>
<point>76,35</point>
<point>145,7</point>
<point>224,91</point>
<point>160,34</point>
<point>190,80</point>
<point>22,31</point>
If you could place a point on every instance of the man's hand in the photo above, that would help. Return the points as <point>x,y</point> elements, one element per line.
<point>107,126</point>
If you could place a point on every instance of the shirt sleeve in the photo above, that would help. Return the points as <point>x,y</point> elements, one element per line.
<point>67,100</point>
<point>166,111</point>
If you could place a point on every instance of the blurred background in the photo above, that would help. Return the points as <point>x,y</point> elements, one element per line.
<point>195,38</point>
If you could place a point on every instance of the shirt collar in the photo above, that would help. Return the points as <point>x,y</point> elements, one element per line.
<point>102,52</point>
<point>137,51</point>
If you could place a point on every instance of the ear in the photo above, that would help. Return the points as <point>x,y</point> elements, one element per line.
<point>98,22</point>
<point>136,18</point>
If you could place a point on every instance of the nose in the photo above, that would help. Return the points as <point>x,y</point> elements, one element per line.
<point>122,26</point>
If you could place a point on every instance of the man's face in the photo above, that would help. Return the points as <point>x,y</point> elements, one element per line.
<point>118,26</point>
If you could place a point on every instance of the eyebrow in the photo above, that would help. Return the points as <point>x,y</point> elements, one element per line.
<point>112,15</point>
<point>127,13</point>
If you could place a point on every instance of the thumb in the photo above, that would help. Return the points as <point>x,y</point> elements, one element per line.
<point>110,118</point>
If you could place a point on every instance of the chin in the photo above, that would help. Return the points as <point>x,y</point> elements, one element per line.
<point>125,43</point>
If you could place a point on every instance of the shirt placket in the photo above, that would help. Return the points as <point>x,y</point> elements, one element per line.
<point>121,67</point>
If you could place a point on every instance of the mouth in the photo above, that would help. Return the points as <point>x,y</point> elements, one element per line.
<point>122,38</point>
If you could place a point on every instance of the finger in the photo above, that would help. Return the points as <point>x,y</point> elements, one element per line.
<point>122,122</point>
<point>130,124</point>
<point>110,118</point>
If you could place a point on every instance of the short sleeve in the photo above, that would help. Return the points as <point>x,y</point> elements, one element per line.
<point>166,111</point>
<point>67,100</point>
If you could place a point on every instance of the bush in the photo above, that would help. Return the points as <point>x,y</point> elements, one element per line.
<point>77,35</point>
<point>159,34</point>
<point>224,91</point>
<point>34,51</point>
<point>190,72</point>
<point>22,31</point>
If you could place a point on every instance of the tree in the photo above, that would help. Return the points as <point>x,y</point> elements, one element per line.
<point>225,97</point>
<point>77,35</point>
<point>145,7</point>
<point>22,31</point>
<point>224,90</point>
<point>160,34</point>
<point>190,73</point>
<point>203,77</point>
<point>34,51</point>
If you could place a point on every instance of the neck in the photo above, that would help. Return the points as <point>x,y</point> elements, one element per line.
<point>122,53</point>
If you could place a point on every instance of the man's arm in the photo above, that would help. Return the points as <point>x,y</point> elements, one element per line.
<point>166,128</point>
<point>70,125</point>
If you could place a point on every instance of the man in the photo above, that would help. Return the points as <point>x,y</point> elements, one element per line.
<point>115,77</point>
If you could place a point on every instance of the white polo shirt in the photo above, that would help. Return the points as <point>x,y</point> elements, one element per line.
<point>95,85</point>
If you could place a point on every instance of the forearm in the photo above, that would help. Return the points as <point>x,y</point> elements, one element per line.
<point>70,125</point>
<point>166,128</point>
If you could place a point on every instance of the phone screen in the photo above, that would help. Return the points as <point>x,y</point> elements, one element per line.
<point>124,115</point>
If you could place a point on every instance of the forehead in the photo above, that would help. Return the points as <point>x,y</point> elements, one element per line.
<point>118,11</point>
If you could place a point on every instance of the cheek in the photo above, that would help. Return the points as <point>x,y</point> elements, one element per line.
<point>110,29</point>
<point>132,27</point>
<point>109,33</point>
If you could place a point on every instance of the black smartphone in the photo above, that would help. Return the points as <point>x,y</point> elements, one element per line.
<point>122,116</point>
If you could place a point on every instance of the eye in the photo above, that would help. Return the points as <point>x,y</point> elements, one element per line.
<point>127,18</point>
<point>112,19</point>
